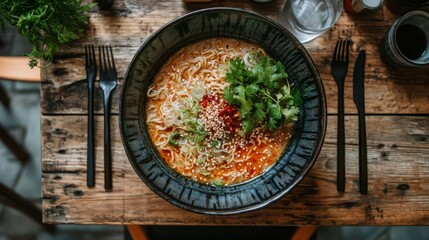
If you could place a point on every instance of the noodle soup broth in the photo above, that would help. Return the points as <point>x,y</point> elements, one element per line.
<point>194,129</point>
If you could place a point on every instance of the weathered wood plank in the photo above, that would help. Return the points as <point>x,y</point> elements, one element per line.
<point>386,92</point>
<point>398,156</point>
<point>134,203</point>
<point>397,132</point>
<point>127,27</point>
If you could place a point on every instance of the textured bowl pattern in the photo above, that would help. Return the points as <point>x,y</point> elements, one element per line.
<point>308,133</point>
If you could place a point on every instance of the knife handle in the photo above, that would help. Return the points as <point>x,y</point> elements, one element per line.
<point>341,152</point>
<point>363,163</point>
<point>90,175</point>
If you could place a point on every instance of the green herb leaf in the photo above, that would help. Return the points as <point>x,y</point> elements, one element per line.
<point>296,95</point>
<point>204,172</point>
<point>174,139</point>
<point>228,95</point>
<point>218,182</point>
<point>260,113</point>
<point>251,90</point>
<point>245,103</point>
<point>261,92</point>
<point>238,71</point>
<point>247,124</point>
<point>47,25</point>
<point>215,144</point>
<point>272,123</point>
<point>194,127</point>
<point>275,110</point>
<point>291,114</point>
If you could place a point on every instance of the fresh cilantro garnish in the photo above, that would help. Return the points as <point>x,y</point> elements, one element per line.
<point>47,25</point>
<point>262,93</point>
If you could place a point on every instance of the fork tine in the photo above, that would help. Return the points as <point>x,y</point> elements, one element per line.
<point>109,66</point>
<point>100,58</point>
<point>336,50</point>
<point>107,62</point>
<point>113,60</point>
<point>342,51</point>
<point>347,49</point>
<point>86,56</point>
<point>89,55</point>
<point>92,55</point>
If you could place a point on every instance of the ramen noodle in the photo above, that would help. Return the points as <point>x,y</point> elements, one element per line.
<point>194,129</point>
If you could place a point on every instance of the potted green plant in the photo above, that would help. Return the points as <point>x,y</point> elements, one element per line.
<point>47,24</point>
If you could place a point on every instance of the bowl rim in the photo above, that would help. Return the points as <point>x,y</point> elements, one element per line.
<point>305,170</point>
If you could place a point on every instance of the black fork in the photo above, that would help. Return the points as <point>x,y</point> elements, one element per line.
<point>339,67</point>
<point>107,84</point>
<point>91,72</point>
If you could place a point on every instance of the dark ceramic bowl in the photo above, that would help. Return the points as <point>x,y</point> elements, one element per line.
<point>285,174</point>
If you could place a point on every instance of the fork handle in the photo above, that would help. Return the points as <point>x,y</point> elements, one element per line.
<point>107,149</point>
<point>90,176</point>
<point>341,152</point>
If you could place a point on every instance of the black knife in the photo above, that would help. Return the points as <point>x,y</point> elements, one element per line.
<point>359,99</point>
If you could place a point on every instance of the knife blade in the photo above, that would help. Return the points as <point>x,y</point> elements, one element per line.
<point>359,99</point>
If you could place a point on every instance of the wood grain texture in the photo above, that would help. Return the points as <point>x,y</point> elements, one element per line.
<point>398,156</point>
<point>130,23</point>
<point>397,103</point>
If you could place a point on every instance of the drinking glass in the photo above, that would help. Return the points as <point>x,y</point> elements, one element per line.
<point>307,19</point>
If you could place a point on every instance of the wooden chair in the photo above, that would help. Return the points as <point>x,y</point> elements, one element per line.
<point>304,233</point>
<point>138,232</point>
<point>17,69</point>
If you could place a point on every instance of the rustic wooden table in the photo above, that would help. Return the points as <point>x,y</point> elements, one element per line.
<point>397,120</point>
